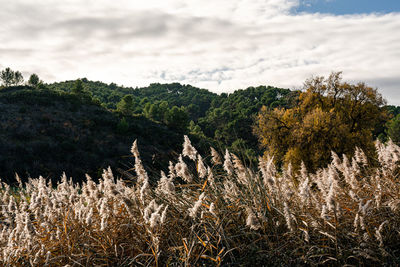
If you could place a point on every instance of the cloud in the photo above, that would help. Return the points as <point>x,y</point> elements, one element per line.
<point>219,45</point>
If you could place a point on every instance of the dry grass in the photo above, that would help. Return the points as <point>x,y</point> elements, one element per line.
<point>215,214</point>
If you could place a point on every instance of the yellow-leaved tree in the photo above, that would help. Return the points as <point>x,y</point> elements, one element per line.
<point>330,115</point>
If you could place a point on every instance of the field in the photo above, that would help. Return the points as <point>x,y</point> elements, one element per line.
<point>212,211</point>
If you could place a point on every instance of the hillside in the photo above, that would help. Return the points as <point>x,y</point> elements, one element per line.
<point>196,99</point>
<point>225,119</point>
<point>50,130</point>
<point>44,132</point>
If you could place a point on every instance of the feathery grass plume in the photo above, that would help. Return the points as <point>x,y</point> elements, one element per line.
<point>332,185</point>
<point>171,171</point>
<point>288,216</point>
<point>18,180</point>
<point>201,168</point>
<point>152,215</point>
<point>188,150</point>
<point>216,158</point>
<point>143,190</point>
<point>182,170</point>
<point>268,171</point>
<point>164,215</point>
<point>240,170</point>
<point>139,169</point>
<point>212,209</point>
<point>360,217</point>
<point>135,150</point>
<point>306,235</point>
<point>378,233</point>
<point>378,192</point>
<point>231,191</point>
<point>251,220</point>
<point>196,206</point>
<point>210,177</point>
<point>304,191</point>
<point>165,185</point>
<point>287,184</point>
<point>89,216</point>
<point>324,212</point>
<point>336,162</point>
<point>360,156</point>
<point>303,172</point>
<point>228,166</point>
<point>155,219</point>
<point>151,207</point>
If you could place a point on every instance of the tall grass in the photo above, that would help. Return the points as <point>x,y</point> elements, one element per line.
<point>214,212</point>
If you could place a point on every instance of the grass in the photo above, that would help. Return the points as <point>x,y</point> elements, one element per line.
<point>210,212</point>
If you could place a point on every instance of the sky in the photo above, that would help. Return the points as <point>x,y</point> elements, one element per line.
<point>220,45</point>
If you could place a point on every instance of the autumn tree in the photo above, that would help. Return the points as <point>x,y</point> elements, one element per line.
<point>331,115</point>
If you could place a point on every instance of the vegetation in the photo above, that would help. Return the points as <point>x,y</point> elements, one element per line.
<point>393,129</point>
<point>46,132</point>
<point>205,213</point>
<point>224,119</point>
<point>331,115</point>
<point>317,208</point>
<point>10,77</point>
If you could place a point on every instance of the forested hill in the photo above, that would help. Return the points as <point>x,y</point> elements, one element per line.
<point>197,101</point>
<point>45,132</point>
<point>83,126</point>
<point>226,120</point>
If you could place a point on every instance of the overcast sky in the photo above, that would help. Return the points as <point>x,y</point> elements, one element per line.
<point>220,45</point>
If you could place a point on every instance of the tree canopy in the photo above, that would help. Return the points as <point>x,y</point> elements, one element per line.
<point>10,77</point>
<point>331,115</point>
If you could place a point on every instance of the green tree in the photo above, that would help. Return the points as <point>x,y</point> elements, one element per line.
<point>393,129</point>
<point>78,87</point>
<point>177,118</point>
<point>18,78</point>
<point>123,126</point>
<point>33,80</point>
<point>7,76</point>
<point>331,116</point>
<point>125,106</point>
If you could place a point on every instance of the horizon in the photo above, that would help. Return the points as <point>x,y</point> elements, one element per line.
<point>219,46</point>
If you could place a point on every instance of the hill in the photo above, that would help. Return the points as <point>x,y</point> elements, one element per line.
<point>196,100</point>
<point>226,119</point>
<point>45,132</point>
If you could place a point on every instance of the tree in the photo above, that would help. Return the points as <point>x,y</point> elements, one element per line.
<point>393,129</point>
<point>18,78</point>
<point>33,80</point>
<point>7,76</point>
<point>177,118</point>
<point>78,87</point>
<point>125,106</point>
<point>331,115</point>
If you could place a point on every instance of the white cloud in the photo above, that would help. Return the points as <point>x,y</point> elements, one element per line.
<point>220,45</point>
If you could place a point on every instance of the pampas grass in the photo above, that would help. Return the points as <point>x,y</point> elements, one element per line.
<point>346,213</point>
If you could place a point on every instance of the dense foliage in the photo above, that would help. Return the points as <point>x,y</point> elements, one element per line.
<point>46,132</point>
<point>223,119</point>
<point>331,115</point>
